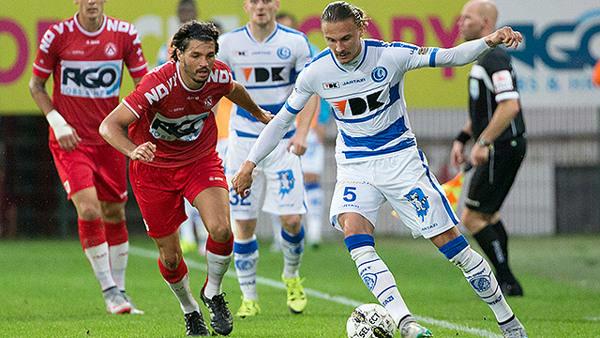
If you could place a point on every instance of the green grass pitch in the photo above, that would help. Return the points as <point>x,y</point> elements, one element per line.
<point>47,290</point>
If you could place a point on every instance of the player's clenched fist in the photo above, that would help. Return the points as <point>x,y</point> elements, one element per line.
<point>144,152</point>
<point>506,36</point>
<point>242,181</point>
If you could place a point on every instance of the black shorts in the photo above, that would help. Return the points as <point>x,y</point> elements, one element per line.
<point>491,182</point>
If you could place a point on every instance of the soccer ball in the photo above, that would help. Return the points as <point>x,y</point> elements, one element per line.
<point>370,321</point>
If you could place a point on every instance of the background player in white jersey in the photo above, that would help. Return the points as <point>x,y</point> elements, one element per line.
<point>313,161</point>
<point>266,58</point>
<point>377,155</point>
<point>85,54</point>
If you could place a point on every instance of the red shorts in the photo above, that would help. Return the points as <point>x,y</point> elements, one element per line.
<point>100,166</point>
<point>160,191</point>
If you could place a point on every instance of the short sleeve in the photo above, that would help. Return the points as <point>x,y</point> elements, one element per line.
<point>304,53</point>
<point>500,71</point>
<point>141,100</point>
<point>47,54</point>
<point>134,56</point>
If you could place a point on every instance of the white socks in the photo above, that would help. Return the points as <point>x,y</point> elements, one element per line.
<point>183,293</point>
<point>118,263</point>
<point>380,281</point>
<point>98,257</point>
<point>217,267</point>
<point>245,253</point>
<point>478,273</point>
<point>292,247</point>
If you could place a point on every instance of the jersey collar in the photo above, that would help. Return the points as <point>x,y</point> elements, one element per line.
<point>247,29</point>
<point>84,32</point>
<point>183,83</point>
<point>355,63</point>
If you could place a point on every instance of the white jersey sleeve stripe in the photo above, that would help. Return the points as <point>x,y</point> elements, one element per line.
<point>137,115</point>
<point>41,69</point>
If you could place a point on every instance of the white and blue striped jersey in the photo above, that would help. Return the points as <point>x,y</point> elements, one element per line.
<point>367,101</point>
<point>267,69</point>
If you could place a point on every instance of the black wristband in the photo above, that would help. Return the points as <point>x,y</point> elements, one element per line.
<point>462,137</point>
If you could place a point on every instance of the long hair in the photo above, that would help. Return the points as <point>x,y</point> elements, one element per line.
<point>341,10</point>
<point>194,30</point>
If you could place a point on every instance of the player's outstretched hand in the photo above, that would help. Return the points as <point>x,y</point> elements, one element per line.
<point>67,137</point>
<point>506,36</point>
<point>242,180</point>
<point>144,152</point>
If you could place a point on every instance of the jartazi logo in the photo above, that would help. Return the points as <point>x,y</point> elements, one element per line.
<point>215,178</point>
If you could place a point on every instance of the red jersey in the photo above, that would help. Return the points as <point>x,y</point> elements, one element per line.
<point>179,120</point>
<point>87,69</point>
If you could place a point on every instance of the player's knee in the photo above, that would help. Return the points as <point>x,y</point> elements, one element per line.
<point>170,259</point>
<point>88,211</point>
<point>292,223</point>
<point>220,232</point>
<point>113,213</point>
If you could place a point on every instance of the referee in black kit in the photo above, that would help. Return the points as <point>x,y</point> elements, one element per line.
<point>496,125</point>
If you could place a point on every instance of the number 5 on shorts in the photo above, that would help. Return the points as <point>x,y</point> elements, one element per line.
<point>349,194</point>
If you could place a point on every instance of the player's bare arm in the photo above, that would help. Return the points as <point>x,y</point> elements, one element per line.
<point>114,130</point>
<point>506,111</point>
<point>65,134</point>
<point>297,143</point>
<point>506,36</point>
<point>240,96</point>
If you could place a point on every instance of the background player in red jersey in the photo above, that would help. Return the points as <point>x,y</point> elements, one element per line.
<point>172,140</point>
<point>85,54</point>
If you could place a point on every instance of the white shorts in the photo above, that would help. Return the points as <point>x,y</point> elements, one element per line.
<point>278,177</point>
<point>404,180</point>
<point>313,160</point>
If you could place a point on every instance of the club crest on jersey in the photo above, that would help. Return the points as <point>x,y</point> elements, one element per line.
<point>110,49</point>
<point>208,102</point>
<point>284,53</point>
<point>419,200</point>
<point>286,181</point>
<point>379,74</point>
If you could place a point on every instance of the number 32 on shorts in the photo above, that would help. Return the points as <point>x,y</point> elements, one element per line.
<point>235,198</point>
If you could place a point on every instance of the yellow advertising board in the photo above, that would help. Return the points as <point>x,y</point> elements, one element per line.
<point>424,22</point>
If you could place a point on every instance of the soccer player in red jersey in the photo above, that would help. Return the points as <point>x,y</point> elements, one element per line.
<point>85,55</point>
<point>171,142</point>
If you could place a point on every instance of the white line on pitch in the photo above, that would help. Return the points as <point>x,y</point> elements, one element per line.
<point>321,295</point>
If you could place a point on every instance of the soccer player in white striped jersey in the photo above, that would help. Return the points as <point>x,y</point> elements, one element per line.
<point>266,58</point>
<point>377,156</point>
